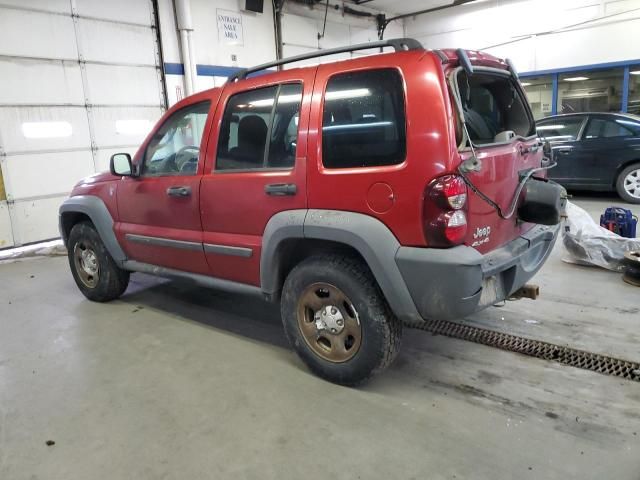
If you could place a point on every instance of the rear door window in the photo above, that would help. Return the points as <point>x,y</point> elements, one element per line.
<point>260,129</point>
<point>493,107</point>
<point>560,129</point>
<point>363,121</point>
<point>599,128</point>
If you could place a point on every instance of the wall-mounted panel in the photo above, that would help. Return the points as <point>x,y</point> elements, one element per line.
<point>259,44</point>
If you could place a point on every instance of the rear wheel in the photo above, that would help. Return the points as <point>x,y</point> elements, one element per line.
<point>337,320</point>
<point>94,271</point>
<point>628,183</point>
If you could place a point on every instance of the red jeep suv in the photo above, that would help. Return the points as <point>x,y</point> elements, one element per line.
<point>359,194</point>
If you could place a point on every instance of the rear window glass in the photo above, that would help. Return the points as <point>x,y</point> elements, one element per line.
<point>364,120</point>
<point>493,107</point>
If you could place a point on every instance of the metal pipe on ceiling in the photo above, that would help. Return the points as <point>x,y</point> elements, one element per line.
<point>455,3</point>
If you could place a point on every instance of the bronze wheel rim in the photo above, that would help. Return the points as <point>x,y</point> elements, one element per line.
<point>329,322</point>
<point>87,266</point>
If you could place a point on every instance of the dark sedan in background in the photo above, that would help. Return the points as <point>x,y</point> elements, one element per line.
<point>595,151</point>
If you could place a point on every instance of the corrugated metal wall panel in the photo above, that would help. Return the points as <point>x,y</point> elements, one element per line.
<point>121,126</point>
<point>26,33</point>
<point>92,34</point>
<point>12,125</point>
<point>120,85</point>
<point>22,82</point>
<point>35,219</point>
<point>131,11</point>
<point>59,6</point>
<point>95,74</point>
<point>44,174</point>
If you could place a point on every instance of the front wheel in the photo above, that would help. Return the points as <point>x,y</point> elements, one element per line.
<point>628,183</point>
<point>96,274</point>
<point>337,319</point>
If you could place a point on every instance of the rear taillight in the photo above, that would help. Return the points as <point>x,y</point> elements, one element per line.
<point>443,213</point>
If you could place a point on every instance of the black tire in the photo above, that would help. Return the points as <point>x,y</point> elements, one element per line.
<point>109,281</point>
<point>620,184</point>
<point>381,331</point>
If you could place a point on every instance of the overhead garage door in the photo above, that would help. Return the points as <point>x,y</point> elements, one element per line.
<point>81,80</point>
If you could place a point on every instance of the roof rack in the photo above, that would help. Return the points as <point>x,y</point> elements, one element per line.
<point>399,44</point>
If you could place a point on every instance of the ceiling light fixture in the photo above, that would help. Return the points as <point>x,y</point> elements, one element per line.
<point>576,79</point>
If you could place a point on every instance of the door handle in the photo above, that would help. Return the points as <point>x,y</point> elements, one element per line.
<point>179,191</point>
<point>280,189</point>
<point>563,151</point>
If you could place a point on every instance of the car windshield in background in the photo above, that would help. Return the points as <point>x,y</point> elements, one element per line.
<point>493,107</point>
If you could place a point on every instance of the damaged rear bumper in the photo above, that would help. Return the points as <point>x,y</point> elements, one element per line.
<point>453,283</point>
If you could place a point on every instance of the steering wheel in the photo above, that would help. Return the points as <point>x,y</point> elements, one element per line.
<point>180,161</point>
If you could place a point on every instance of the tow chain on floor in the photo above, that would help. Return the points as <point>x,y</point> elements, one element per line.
<point>534,348</point>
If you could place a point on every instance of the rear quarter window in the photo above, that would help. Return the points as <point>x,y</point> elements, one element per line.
<point>363,121</point>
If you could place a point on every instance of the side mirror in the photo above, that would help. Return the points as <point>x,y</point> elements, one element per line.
<point>120,165</point>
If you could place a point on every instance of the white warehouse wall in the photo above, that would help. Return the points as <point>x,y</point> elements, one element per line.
<point>300,27</point>
<point>302,24</point>
<point>537,34</point>
<point>258,42</point>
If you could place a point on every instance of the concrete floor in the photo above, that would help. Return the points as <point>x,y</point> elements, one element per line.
<point>178,382</point>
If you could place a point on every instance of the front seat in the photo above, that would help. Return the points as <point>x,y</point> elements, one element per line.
<point>252,136</point>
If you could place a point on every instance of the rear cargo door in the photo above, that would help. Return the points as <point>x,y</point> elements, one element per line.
<point>502,134</point>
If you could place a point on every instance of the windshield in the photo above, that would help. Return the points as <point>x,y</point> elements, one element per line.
<point>494,109</point>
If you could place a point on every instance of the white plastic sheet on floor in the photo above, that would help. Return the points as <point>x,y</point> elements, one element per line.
<point>587,243</point>
<point>43,249</point>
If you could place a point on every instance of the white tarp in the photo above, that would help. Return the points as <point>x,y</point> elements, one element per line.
<point>587,243</point>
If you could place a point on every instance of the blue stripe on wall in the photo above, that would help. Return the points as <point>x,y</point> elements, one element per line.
<point>207,70</point>
<point>173,69</point>
<point>215,70</point>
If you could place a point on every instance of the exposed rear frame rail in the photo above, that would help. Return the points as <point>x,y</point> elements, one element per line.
<point>398,44</point>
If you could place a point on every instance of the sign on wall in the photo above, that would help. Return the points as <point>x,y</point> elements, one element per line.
<point>229,27</point>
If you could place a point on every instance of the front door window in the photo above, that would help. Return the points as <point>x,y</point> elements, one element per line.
<point>175,148</point>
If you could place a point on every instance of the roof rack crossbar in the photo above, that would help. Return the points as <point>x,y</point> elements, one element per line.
<point>399,44</point>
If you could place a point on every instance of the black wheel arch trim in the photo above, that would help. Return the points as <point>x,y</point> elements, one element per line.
<point>367,235</point>
<point>94,208</point>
